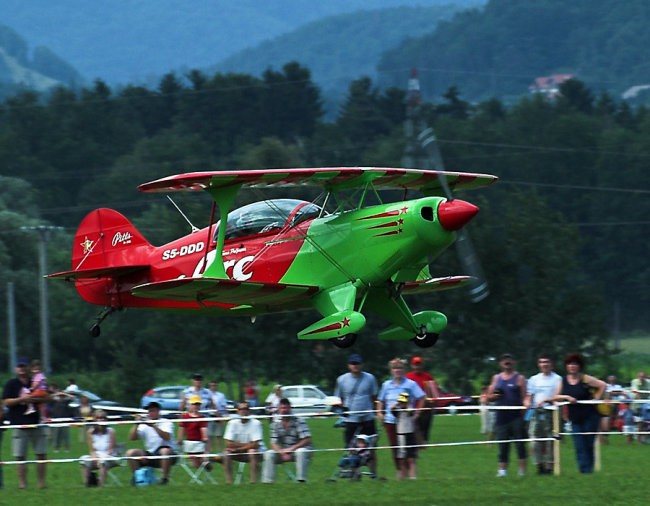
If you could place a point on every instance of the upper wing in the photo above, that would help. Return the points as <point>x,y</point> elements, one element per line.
<point>435,284</point>
<point>226,291</point>
<point>332,179</point>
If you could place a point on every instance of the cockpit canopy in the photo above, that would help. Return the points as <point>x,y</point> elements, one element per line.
<point>267,216</point>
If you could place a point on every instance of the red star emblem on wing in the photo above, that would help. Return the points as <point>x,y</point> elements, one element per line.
<point>87,245</point>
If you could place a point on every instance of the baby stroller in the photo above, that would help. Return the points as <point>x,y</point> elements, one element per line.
<point>357,459</point>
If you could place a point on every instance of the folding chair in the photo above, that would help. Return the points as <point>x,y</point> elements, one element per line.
<point>111,475</point>
<point>291,476</point>
<point>240,471</point>
<point>198,475</point>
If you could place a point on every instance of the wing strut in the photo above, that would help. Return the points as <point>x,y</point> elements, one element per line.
<point>225,198</point>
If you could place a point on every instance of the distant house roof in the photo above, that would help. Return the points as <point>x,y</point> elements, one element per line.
<point>549,84</point>
<point>634,91</point>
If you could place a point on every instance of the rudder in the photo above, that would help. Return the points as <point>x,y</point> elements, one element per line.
<point>105,239</point>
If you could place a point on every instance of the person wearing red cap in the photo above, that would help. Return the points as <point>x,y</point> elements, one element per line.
<point>430,387</point>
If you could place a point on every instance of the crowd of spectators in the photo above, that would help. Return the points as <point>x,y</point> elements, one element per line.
<point>402,406</point>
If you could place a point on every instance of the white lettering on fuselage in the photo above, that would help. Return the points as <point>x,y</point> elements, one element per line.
<point>187,249</point>
<point>234,251</point>
<point>238,267</point>
<point>234,267</point>
<point>121,238</point>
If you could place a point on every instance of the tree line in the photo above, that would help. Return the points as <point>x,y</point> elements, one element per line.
<point>562,236</point>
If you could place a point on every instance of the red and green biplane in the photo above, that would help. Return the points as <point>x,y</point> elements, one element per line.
<point>285,254</point>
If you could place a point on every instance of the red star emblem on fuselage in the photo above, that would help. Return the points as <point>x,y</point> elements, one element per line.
<point>346,322</point>
<point>403,210</point>
<point>87,245</point>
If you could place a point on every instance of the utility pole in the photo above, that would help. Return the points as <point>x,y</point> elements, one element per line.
<point>413,153</point>
<point>11,325</point>
<point>44,236</point>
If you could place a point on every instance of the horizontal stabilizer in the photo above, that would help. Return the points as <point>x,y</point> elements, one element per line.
<point>224,291</point>
<point>435,284</point>
<point>101,272</point>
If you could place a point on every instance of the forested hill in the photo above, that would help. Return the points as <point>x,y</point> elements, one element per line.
<point>137,40</point>
<point>339,49</point>
<point>37,70</point>
<point>500,49</point>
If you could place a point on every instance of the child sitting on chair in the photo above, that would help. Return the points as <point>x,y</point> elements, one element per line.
<point>357,456</point>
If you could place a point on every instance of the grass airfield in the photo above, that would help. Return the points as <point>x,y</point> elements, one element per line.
<point>446,475</point>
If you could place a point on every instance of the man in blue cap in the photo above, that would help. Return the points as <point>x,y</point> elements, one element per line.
<point>358,391</point>
<point>17,401</point>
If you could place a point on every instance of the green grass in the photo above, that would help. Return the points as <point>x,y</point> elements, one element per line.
<point>636,345</point>
<point>446,475</point>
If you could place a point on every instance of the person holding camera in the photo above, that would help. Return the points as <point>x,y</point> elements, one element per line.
<point>158,436</point>
<point>508,388</point>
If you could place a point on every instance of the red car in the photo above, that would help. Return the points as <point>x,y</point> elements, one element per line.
<point>450,401</point>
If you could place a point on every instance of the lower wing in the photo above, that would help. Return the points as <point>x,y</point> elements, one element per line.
<point>225,291</point>
<point>435,284</point>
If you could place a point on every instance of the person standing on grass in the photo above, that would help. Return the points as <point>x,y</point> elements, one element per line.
<point>17,401</point>
<point>540,387</point>
<point>577,386</point>
<point>390,391</point>
<point>432,391</point>
<point>508,388</point>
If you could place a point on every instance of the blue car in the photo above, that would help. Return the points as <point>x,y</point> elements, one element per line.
<point>169,398</point>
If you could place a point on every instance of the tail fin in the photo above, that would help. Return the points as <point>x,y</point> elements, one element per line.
<point>106,239</point>
<point>108,255</point>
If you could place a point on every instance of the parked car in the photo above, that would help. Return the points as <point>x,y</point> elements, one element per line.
<point>169,397</point>
<point>450,401</point>
<point>96,402</point>
<point>310,398</point>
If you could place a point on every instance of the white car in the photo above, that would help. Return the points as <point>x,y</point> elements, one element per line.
<point>310,398</point>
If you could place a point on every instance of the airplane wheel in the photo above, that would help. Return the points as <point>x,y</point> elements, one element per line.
<point>344,341</point>
<point>94,331</point>
<point>426,340</point>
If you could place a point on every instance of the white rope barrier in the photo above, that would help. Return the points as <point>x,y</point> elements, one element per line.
<point>73,422</point>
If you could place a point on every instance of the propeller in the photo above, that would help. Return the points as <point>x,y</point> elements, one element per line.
<point>478,288</point>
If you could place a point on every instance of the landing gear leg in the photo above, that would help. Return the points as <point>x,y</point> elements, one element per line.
<point>95,329</point>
